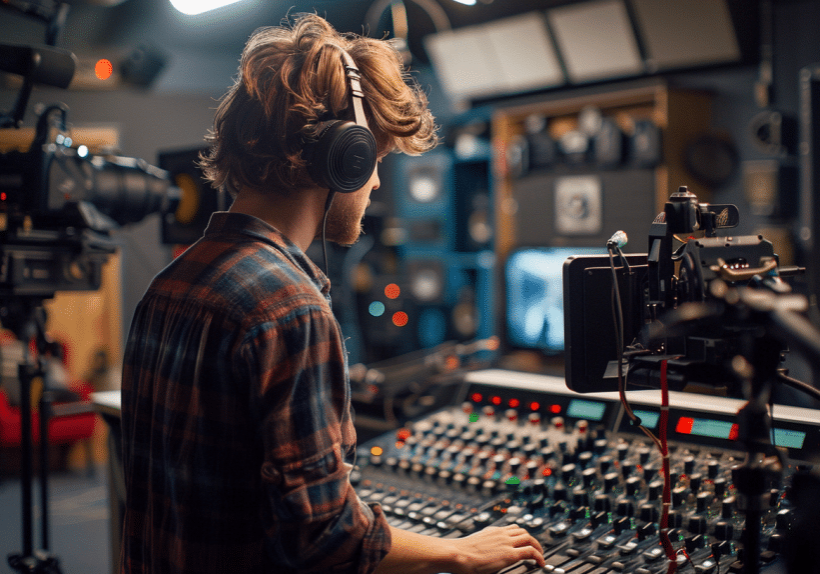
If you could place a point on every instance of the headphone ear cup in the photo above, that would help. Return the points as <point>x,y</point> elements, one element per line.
<point>343,156</point>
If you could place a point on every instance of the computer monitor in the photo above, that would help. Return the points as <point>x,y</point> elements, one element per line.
<point>534,300</point>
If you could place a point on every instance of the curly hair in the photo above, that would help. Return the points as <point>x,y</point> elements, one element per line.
<point>290,79</point>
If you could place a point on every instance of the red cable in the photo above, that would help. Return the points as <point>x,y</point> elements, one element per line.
<point>667,482</point>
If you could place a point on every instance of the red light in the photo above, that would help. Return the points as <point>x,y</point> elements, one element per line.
<point>733,432</point>
<point>103,69</point>
<point>3,196</point>
<point>392,291</point>
<point>496,400</point>
<point>534,406</point>
<point>555,409</point>
<point>476,397</point>
<point>403,434</point>
<point>684,425</point>
<point>400,318</point>
<point>547,471</point>
<point>514,403</point>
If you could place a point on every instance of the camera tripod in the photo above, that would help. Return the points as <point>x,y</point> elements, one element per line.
<point>26,317</point>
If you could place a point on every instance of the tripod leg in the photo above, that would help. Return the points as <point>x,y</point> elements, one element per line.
<point>26,457</point>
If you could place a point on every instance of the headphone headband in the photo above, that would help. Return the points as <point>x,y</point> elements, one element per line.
<point>344,154</point>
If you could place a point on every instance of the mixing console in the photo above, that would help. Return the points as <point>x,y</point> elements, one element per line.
<point>568,467</point>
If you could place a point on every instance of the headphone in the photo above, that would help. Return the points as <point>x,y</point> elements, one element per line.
<point>343,155</point>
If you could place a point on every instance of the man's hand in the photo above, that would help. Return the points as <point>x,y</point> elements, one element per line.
<point>496,547</point>
<point>485,552</point>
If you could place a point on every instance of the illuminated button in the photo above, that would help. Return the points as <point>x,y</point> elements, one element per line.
<point>103,69</point>
<point>557,422</point>
<point>392,291</point>
<point>511,414</point>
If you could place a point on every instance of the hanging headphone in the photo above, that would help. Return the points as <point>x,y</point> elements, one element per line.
<point>343,155</point>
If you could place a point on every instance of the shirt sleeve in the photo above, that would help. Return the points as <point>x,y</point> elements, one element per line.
<point>314,520</point>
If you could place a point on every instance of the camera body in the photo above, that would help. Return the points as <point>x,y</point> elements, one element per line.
<point>685,260</point>
<point>58,205</point>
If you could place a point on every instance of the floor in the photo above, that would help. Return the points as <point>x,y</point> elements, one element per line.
<point>78,516</point>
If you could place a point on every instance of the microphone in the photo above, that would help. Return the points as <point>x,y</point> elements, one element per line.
<point>618,239</point>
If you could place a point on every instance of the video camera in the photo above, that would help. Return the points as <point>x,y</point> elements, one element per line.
<point>58,203</point>
<point>695,300</point>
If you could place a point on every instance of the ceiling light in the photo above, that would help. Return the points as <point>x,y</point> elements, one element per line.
<point>466,2</point>
<point>194,7</point>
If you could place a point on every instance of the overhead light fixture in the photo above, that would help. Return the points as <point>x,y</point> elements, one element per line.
<point>467,2</point>
<point>194,7</point>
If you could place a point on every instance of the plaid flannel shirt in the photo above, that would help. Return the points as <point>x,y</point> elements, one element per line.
<point>237,428</point>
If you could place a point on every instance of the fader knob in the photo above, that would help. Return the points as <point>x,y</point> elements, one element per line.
<point>625,507</point>
<point>633,483</point>
<point>568,472</point>
<point>689,465</point>
<point>643,455</point>
<point>678,496</point>
<point>720,487</point>
<point>588,477</point>
<point>695,481</point>
<point>603,503</point>
<point>648,513</point>
<point>622,450</point>
<point>580,497</point>
<point>712,469</point>
<point>697,524</point>
<point>727,508</point>
<point>703,500</point>
<point>610,481</point>
<point>585,458</point>
<point>724,530</point>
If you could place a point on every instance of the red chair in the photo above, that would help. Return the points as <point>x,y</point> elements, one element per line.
<point>71,422</point>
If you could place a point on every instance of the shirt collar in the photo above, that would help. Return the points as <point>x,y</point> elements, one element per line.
<point>225,221</point>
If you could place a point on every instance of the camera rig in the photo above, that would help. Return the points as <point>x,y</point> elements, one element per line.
<point>58,205</point>
<point>696,301</point>
<point>713,312</point>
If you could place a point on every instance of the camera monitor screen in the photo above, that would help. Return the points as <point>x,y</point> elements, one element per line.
<point>534,297</point>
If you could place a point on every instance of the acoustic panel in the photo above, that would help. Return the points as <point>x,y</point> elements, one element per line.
<point>596,40</point>
<point>686,33</point>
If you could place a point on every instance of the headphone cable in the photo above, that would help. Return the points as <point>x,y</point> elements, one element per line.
<point>331,193</point>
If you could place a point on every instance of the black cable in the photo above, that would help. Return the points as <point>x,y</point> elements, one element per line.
<point>328,203</point>
<point>799,385</point>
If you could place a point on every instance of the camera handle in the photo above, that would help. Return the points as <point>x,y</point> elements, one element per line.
<point>27,317</point>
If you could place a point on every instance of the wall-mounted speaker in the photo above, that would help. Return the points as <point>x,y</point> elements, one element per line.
<point>451,295</point>
<point>424,199</point>
<point>574,208</point>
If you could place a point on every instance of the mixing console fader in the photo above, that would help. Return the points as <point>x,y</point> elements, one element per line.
<point>568,467</point>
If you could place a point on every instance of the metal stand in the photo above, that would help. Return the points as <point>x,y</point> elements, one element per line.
<point>31,323</point>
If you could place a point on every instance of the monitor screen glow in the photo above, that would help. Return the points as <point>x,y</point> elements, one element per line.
<point>534,296</point>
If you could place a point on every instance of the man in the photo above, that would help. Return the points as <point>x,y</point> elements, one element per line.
<point>236,409</point>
